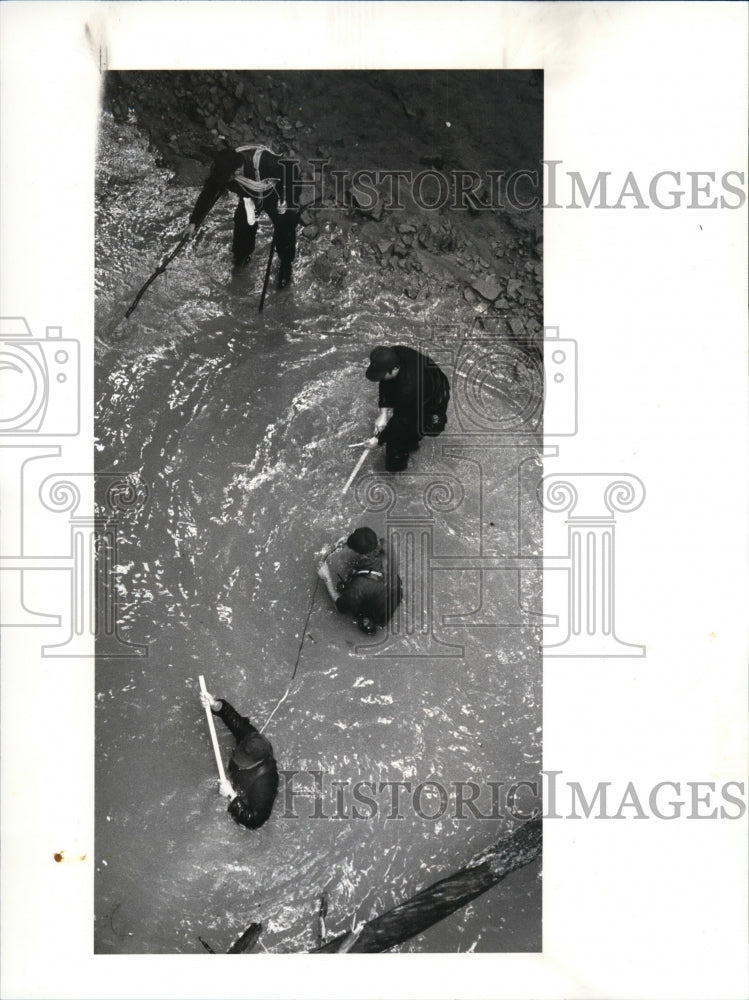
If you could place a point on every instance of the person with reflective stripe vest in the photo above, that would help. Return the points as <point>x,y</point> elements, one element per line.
<point>252,774</point>
<point>264,182</point>
<point>368,586</point>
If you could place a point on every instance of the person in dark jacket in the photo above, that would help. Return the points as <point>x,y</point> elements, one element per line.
<point>252,772</point>
<point>264,182</point>
<point>413,398</point>
<point>368,586</point>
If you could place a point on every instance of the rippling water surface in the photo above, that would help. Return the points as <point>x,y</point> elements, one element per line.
<point>238,424</point>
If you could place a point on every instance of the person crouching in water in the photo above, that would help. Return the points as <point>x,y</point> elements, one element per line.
<point>252,769</point>
<point>368,586</point>
<point>264,182</point>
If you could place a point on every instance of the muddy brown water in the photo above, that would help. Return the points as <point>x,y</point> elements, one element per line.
<point>238,425</point>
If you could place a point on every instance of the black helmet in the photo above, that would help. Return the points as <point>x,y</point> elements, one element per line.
<point>363,541</point>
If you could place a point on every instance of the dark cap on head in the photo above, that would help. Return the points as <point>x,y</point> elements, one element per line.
<point>363,540</point>
<point>382,361</point>
<point>224,165</point>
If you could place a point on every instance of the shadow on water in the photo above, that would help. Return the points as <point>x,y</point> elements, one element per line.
<point>239,424</point>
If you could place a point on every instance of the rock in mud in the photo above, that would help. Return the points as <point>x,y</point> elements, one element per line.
<point>370,211</point>
<point>488,288</point>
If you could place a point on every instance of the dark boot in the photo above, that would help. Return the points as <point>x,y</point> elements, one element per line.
<point>284,274</point>
<point>396,458</point>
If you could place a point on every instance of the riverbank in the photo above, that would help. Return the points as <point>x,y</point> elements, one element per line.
<point>428,124</point>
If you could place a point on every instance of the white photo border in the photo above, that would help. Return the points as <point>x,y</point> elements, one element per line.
<point>656,302</point>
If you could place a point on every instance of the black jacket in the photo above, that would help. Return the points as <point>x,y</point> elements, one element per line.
<point>418,397</point>
<point>373,589</point>
<point>252,770</point>
<point>270,167</point>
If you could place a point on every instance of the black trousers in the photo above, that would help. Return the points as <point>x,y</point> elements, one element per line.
<point>400,438</point>
<point>284,230</point>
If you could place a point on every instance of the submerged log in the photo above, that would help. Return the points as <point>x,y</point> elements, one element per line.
<point>244,943</point>
<point>321,930</point>
<point>442,898</point>
<point>247,941</point>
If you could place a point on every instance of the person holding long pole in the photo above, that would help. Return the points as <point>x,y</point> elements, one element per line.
<point>263,182</point>
<point>413,395</point>
<point>252,780</point>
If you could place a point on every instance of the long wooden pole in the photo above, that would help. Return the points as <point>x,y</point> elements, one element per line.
<point>212,730</point>
<point>354,474</point>
<point>159,270</point>
<point>267,272</point>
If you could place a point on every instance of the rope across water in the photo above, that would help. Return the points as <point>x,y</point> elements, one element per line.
<point>298,656</point>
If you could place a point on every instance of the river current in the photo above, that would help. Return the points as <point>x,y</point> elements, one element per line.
<point>237,426</point>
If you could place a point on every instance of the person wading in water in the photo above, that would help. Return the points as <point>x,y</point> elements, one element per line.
<point>264,182</point>
<point>368,586</point>
<point>252,769</point>
<point>413,395</point>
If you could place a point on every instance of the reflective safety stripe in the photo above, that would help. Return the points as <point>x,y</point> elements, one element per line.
<point>258,187</point>
<point>370,572</point>
<point>255,187</point>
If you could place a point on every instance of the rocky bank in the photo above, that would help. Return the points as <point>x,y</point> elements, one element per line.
<point>336,123</point>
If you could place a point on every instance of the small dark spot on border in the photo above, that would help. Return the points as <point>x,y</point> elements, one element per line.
<point>58,856</point>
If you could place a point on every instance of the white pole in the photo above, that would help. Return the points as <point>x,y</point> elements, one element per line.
<point>212,729</point>
<point>358,466</point>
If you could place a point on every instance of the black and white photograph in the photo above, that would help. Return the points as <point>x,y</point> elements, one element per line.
<point>319,433</point>
<point>373,529</point>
